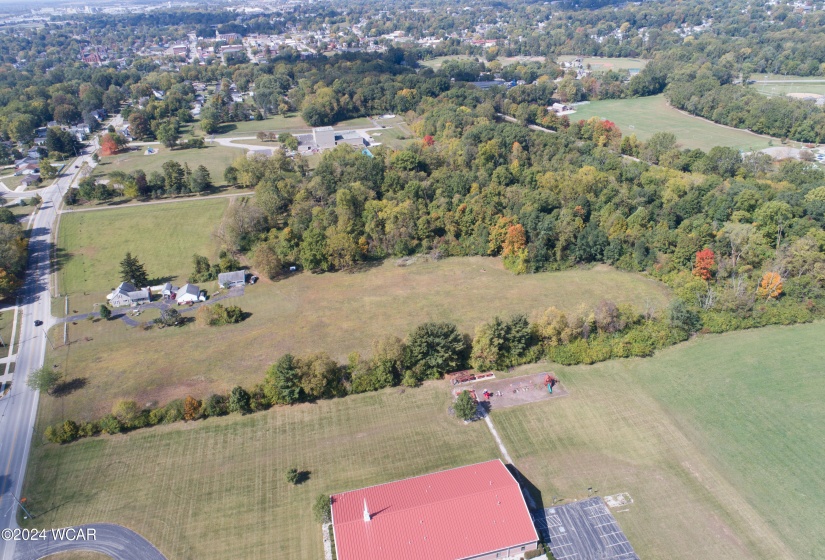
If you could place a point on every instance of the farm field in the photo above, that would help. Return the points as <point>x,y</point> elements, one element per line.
<point>644,116</point>
<point>714,440</point>
<point>602,64</point>
<point>162,236</point>
<point>302,314</point>
<point>214,158</point>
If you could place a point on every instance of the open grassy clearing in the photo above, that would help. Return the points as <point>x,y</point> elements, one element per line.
<point>214,157</point>
<point>644,116</point>
<point>277,123</point>
<point>12,181</point>
<point>437,62</point>
<point>163,236</point>
<point>718,442</point>
<point>602,64</point>
<point>79,555</point>
<point>337,313</point>
<point>715,440</point>
<point>394,138</point>
<point>784,89</point>
<point>216,489</point>
<point>508,60</point>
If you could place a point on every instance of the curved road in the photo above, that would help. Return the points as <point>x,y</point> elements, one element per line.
<point>113,540</point>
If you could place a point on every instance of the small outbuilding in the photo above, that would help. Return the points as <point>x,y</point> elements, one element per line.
<point>188,293</point>
<point>232,279</point>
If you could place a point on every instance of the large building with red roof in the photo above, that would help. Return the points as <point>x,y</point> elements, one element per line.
<point>475,512</point>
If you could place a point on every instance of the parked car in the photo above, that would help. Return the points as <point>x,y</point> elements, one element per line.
<point>37,322</point>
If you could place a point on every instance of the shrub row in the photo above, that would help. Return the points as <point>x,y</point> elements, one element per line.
<point>433,349</point>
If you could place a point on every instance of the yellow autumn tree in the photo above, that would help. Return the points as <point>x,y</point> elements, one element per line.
<point>771,286</point>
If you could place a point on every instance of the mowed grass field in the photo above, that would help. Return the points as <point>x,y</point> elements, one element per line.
<point>603,64</point>
<point>644,116</point>
<point>774,89</point>
<point>276,123</point>
<point>162,236</point>
<point>718,441</point>
<point>215,158</point>
<point>217,489</point>
<point>337,313</point>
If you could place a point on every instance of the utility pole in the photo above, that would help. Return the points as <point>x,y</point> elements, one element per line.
<point>49,339</point>
<point>22,506</point>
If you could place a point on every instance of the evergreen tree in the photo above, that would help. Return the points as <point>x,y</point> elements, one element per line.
<point>131,270</point>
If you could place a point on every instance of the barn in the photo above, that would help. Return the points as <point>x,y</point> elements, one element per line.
<point>475,512</point>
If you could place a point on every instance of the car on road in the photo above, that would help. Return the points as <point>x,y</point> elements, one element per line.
<point>37,322</point>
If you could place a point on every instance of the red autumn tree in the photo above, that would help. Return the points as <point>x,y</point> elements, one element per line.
<point>111,144</point>
<point>705,259</point>
<point>429,140</point>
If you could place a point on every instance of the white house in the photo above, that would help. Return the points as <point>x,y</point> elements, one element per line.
<point>128,294</point>
<point>188,293</point>
<point>232,279</point>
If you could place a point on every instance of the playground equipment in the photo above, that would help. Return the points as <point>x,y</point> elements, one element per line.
<point>550,381</point>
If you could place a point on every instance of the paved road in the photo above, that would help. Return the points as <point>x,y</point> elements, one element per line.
<point>113,540</point>
<point>19,407</point>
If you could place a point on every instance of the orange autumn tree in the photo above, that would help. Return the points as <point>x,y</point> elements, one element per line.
<point>705,259</point>
<point>514,249</point>
<point>191,408</point>
<point>771,286</point>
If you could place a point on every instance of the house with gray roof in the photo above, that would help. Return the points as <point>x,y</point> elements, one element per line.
<point>127,294</point>
<point>188,293</point>
<point>232,279</point>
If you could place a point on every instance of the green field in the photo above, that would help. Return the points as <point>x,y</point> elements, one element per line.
<point>718,442</point>
<point>337,313</point>
<point>277,123</point>
<point>773,89</point>
<point>436,62</point>
<point>215,158</point>
<point>644,116</point>
<point>395,137</point>
<point>602,64</point>
<point>177,485</point>
<point>163,236</point>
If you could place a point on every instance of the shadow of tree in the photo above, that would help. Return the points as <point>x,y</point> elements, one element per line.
<point>68,387</point>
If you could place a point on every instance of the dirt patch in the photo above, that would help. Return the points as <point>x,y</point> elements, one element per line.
<point>512,391</point>
<point>618,500</point>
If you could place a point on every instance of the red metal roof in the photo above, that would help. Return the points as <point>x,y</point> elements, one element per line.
<point>448,515</point>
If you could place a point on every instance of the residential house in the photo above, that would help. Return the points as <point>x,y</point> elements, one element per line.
<point>30,180</point>
<point>127,294</point>
<point>232,279</point>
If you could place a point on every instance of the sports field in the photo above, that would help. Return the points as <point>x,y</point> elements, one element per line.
<point>644,116</point>
<point>437,62</point>
<point>603,64</point>
<point>718,442</point>
<point>773,89</point>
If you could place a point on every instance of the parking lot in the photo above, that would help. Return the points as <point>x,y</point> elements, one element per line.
<point>583,530</point>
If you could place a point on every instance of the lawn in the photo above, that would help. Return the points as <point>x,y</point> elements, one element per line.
<point>337,313</point>
<point>6,320</point>
<point>718,442</point>
<point>394,138</point>
<point>217,488</point>
<point>215,158</point>
<point>162,236</point>
<point>785,89</point>
<point>277,123</point>
<point>603,64</point>
<point>436,62</point>
<point>644,116</point>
